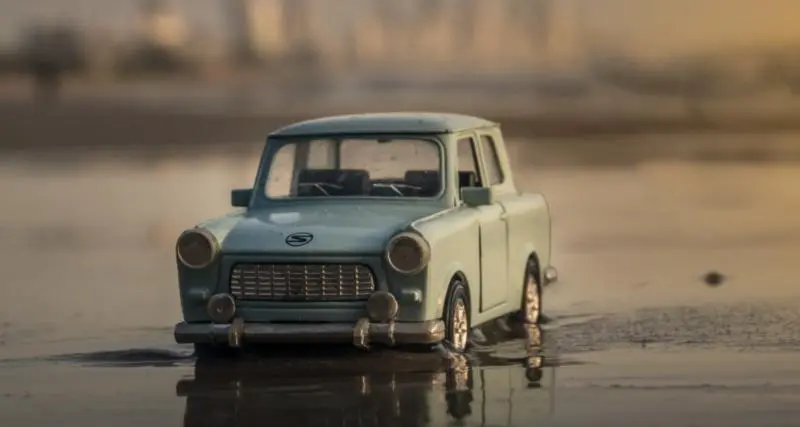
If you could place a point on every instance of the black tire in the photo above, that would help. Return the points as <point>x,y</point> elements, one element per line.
<point>456,306</point>
<point>531,291</point>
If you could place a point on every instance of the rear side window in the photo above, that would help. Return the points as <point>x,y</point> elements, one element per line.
<point>494,173</point>
<point>468,171</point>
<point>467,160</point>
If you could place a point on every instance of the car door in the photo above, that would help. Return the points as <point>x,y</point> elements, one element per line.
<point>505,194</point>
<point>493,231</point>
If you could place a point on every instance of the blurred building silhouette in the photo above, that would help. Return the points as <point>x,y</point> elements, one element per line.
<point>160,44</point>
<point>163,25</point>
<point>262,30</point>
<point>256,29</point>
<point>422,36</point>
<point>423,33</point>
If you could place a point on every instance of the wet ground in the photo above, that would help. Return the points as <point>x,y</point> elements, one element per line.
<point>88,299</point>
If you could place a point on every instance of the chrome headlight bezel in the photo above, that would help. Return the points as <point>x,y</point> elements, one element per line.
<point>423,247</point>
<point>212,242</point>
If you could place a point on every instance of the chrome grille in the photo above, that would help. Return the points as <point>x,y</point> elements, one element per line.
<point>301,282</point>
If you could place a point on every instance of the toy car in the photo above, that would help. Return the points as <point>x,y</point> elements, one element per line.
<point>390,228</point>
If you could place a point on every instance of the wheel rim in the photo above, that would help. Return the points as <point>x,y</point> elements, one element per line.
<point>460,326</point>
<point>532,300</point>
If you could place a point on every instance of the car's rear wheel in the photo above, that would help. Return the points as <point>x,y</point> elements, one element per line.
<point>531,310</point>
<point>456,317</point>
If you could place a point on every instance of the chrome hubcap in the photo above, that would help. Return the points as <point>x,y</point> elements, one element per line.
<point>532,303</point>
<point>460,326</point>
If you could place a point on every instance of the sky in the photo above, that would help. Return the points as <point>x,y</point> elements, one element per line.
<point>644,25</point>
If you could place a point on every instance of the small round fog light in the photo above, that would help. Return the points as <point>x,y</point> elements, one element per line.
<point>221,308</point>
<point>382,307</point>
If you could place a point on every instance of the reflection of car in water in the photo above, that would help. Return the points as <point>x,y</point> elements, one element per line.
<point>376,389</point>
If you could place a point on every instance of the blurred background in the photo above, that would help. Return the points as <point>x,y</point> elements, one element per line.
<point>663,133</point>
<point>619,57</point>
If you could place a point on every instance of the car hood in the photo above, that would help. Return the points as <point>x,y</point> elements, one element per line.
<point>334,228</point>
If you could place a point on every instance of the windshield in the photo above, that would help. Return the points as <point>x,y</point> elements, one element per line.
<point>356,167</point>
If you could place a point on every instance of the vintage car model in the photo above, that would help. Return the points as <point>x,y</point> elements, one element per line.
<point>390,228</point>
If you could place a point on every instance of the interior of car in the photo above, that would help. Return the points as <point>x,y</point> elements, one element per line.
<point>357,182</point>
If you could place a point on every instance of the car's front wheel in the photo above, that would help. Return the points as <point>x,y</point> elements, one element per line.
<point>456,317</point>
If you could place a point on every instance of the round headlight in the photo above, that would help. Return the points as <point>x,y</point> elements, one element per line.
<point>408,253</point>
<point>197,248</point>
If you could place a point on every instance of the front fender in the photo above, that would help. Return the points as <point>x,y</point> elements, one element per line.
<point>455,269</point>
<point>455,250</point>
<point>197,285</point>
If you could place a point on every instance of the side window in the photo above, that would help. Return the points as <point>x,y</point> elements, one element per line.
<point>468,175</point>
<point>321,154</point>
<point>279,182</point>
<point>494,172</point>
<point>317,154</point>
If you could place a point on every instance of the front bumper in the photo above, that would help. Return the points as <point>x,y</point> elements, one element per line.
<point>361,334</point>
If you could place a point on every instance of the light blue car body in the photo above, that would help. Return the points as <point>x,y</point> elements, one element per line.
<point>486,239</point>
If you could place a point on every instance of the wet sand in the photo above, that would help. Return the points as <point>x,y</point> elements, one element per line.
<point>89,297</point>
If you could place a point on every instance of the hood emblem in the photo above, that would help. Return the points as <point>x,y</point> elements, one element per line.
<point>299,239</point>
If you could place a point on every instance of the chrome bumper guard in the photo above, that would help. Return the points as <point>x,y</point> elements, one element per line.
<point>361,334</point>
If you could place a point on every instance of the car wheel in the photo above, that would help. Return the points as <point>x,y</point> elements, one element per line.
<point>531,295</point>
<point>456,318</point>
<point>214,351</point>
